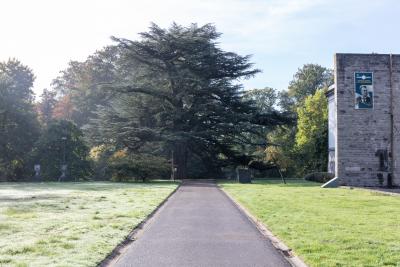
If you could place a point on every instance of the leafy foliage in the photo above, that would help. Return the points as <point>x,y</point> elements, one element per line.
<point>184,97</point>
<point>46,106</point>
<point>100,156</point>
<point>78,87</point>
<point>19,127</point>
<point>63,109</point>
<point>171,99</point>
<point>309,79</point>
<point>302,147</point>
<point>312,131</point>
<point>62,140</point>
<point>265,99</point>
<point>138,167</point>
<point>281,149</point>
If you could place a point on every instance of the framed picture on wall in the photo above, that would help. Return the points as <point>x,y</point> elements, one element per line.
<point>364,90</point>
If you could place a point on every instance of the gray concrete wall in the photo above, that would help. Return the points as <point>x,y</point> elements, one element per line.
<point>361,132</point>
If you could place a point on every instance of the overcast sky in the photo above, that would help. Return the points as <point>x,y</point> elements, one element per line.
<point>281,35</point>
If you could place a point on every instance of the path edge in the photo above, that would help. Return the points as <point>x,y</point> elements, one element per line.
<point>113,256</point>
<point>287,252</point>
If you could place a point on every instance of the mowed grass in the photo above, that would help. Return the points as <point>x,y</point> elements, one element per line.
<point>327,227</point>
<point>71,224</point>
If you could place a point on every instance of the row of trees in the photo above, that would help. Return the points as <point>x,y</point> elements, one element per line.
<point>170,103</point>
<point>301,148</point>
<point>27,139</point>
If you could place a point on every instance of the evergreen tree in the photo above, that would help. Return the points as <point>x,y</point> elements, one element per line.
<point>185,98</point>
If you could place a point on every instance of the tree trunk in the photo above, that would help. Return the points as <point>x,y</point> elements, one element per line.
<point>180,160</point>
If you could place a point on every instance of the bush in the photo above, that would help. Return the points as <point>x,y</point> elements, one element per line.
<point>125,167</point>
<point>319,177</point>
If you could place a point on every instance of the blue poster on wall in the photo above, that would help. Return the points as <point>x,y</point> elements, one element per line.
<point>364,90</point>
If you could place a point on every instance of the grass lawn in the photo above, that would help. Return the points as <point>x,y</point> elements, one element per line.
<point>327,227</point>
<point>71,224</point>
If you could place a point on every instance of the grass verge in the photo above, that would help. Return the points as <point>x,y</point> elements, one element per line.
<point>71,224</point>
<point>326,227</point>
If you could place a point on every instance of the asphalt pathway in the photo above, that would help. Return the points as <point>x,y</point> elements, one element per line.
<point>200,226</point>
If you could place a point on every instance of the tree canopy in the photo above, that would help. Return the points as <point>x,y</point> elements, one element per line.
<point>19,127</point>
<point>301,147</point>
<point>308,79</point>
<point>312,131</point>
<point>185,99</point>
<point>78,87</point>
<point>171,100</point>
<point>62,143</point>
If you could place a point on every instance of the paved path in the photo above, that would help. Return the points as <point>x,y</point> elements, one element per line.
<point>199,226</point>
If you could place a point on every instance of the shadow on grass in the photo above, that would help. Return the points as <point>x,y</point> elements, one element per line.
<point>78,186</point>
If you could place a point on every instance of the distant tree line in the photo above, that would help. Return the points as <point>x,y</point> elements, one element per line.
<point>167,105</point>
<point>30,133</point>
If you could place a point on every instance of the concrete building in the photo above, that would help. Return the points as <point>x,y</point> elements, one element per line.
<point>364,120</point>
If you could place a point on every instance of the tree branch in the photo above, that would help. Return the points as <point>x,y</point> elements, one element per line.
<point>148,91</point>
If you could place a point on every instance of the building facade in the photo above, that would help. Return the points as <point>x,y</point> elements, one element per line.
<point>364,120</point>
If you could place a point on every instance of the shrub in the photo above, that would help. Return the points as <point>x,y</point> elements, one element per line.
<point>139,167</point>
<point>319,177</point>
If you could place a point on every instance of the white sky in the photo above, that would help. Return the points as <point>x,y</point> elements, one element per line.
<point>282,35</point>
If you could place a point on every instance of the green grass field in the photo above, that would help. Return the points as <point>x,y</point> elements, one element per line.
<point>71,224</point>
<point>327,227</point>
